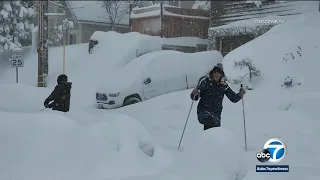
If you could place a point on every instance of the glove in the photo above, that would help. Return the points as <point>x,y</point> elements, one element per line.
<point>242,92</point>
<point>46,105</point>
<point>195,95</point>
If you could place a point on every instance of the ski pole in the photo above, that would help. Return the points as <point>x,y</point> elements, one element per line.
<point>185,125</point>
<point>42,109</point>
<point>244,123</point>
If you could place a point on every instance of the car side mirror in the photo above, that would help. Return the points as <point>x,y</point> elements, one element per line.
<point>147,81</point>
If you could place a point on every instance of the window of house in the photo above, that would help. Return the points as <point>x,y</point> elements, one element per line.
<point>72,39</point>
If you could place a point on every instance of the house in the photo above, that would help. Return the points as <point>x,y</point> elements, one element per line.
<point>182,4</point>
<point>234,23</point>
<point>87,17</point>
<point>184,30</point>
<point>91,16</point>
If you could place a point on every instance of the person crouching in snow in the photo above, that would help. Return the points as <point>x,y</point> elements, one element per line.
<point>211,90</point>
<point>60,95</point>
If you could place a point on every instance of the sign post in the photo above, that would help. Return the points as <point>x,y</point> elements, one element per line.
<point>17,61</point>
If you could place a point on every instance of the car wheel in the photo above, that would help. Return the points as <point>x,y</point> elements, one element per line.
<point>131,100</point>
<point>100,106</point>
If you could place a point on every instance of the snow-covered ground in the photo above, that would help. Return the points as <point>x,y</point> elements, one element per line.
<point>89,143</point>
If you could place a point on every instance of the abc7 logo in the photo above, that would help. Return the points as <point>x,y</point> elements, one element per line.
<point>274,151</point>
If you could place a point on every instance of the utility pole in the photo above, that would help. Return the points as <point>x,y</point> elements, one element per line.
<point>161,25</point>
<point>42,43</point>
<point>65,31</point>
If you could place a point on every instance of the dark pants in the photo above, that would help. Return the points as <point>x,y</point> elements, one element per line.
<point>58,107</point>
<point>209,120</point>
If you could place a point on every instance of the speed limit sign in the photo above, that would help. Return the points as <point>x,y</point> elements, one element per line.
<point>17,58</point>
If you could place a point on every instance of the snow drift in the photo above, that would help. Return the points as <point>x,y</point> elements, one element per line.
<point>49,144</point>
<point>210,154</point>
<point>20,98</point>
<point>214,149</point>
<point>293,54</point>
<point>136,44</point>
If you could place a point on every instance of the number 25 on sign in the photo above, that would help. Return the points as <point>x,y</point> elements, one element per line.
<point>17,61</point>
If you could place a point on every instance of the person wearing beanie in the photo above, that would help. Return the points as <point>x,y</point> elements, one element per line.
<point>211,90</point>
<point>60,95</point>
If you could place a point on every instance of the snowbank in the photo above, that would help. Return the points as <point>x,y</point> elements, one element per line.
<point>139,44</point>
<point>48,144</point>
<point>86,71</point>
<point>20,98</point>
<point>293,57</point>
<point>212,153</point>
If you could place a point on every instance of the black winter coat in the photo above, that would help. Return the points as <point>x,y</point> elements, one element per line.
<point>212,94</point>
<point>60,96</point>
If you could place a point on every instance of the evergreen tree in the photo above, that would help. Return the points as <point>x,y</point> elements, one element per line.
<point>56,32</point>
<point>16,23</point>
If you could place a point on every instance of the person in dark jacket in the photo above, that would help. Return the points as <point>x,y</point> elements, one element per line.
<point>211,90</point>
<point>60,95</point>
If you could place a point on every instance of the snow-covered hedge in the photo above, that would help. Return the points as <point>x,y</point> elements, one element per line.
<point>254,31</point>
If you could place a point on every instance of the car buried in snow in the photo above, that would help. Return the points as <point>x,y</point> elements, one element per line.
<point>155,74</point>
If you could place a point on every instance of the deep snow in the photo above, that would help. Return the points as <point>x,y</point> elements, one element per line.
<point>51,145</point>
<point>98,131</point>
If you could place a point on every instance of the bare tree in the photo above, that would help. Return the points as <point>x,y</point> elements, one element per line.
<point>115,11</point>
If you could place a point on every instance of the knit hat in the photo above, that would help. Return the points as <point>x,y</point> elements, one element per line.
<point>62,78</point>
<point>219,65</point>
<point>218,68</point>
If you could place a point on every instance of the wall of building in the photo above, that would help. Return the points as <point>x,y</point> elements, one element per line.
<point>150,26</point>
<point>185,27</point>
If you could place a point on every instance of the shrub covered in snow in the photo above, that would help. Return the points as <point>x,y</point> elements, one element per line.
<point>253,71</point>
<point>228,30</point>
<point>58,31</point>
<point>16,23</point>
<point>290,82</point>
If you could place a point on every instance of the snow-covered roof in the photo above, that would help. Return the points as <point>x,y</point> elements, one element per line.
<point>145,14</point>
<point>154,10</point>
<point>255,22</point>
<point>280,8</point>
<point>94,11</point>
<point>255,26</point>
<point>152,7</point>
